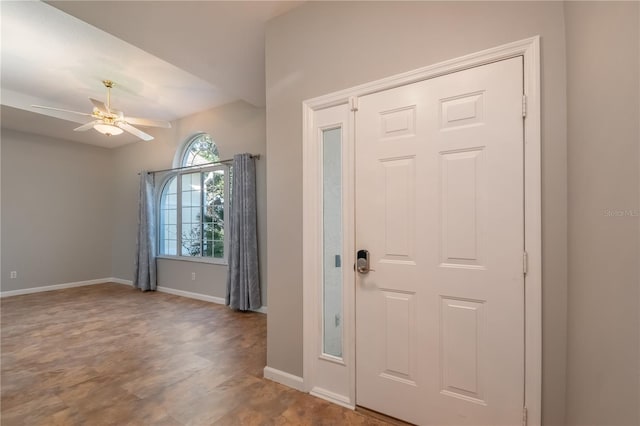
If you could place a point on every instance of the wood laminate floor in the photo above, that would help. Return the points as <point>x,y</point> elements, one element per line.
<point>107,354</point>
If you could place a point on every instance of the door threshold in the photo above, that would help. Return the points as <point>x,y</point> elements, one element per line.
<point>379,416</point>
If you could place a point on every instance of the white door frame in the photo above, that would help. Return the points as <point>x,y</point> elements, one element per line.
<point>529,49</point>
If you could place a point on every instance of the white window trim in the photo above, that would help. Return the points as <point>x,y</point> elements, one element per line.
<point>177,174</point>
<point>199,259</point>
<point>179,157</point>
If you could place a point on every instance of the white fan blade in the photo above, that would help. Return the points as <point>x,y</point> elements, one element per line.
<point>60,109</point>
<point>100,105</point>
<point>139,133</point>
<point>147,122</point>
<point>86,127</point>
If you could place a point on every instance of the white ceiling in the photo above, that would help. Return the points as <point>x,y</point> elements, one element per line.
<point>168,59</point>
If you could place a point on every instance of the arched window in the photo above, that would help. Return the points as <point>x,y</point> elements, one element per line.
<point>193,203</point>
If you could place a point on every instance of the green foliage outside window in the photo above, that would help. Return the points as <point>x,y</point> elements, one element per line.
<point>207,239</point>
<point>203,204</point>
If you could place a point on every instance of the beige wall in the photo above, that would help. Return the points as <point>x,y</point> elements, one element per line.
<point>56,211</point>
<point>603,136</point>
<point>322,47</point>
<point>235,128</point>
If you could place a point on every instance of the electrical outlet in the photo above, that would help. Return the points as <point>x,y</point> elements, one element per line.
<point>14,274</point>
<point>193,276</point>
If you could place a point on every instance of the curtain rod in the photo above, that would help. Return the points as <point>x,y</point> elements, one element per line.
<point>199,166</point>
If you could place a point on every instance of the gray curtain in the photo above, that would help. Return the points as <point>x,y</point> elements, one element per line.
<point>243,281</point>
<point>145,273</point>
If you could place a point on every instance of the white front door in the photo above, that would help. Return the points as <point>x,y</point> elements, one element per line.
<point>439,208</point>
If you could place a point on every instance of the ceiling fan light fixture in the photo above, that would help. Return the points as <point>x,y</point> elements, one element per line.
<point>111,122</point>
<point>108,129</point>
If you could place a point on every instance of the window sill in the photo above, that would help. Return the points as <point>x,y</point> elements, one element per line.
<point>211,261</point>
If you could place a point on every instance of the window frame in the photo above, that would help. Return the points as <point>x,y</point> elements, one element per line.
<point>178,176</point>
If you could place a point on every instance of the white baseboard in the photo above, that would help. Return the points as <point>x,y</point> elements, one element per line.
<point>54,287</point>
<point>200,296</point>
<point>174,291</point>
<point>284,378</point>
<point>333,397</point>
<point>191,295</point>
<point>121,281</point>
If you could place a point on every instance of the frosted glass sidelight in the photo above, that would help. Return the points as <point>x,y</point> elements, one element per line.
<point>332,241</point>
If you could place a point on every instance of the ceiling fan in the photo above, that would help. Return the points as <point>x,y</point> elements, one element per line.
<point>111,122</point>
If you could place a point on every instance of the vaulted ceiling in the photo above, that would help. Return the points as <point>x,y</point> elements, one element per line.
<point>169,59</point>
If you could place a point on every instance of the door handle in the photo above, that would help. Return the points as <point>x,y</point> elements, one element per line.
<point>362,262</point>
